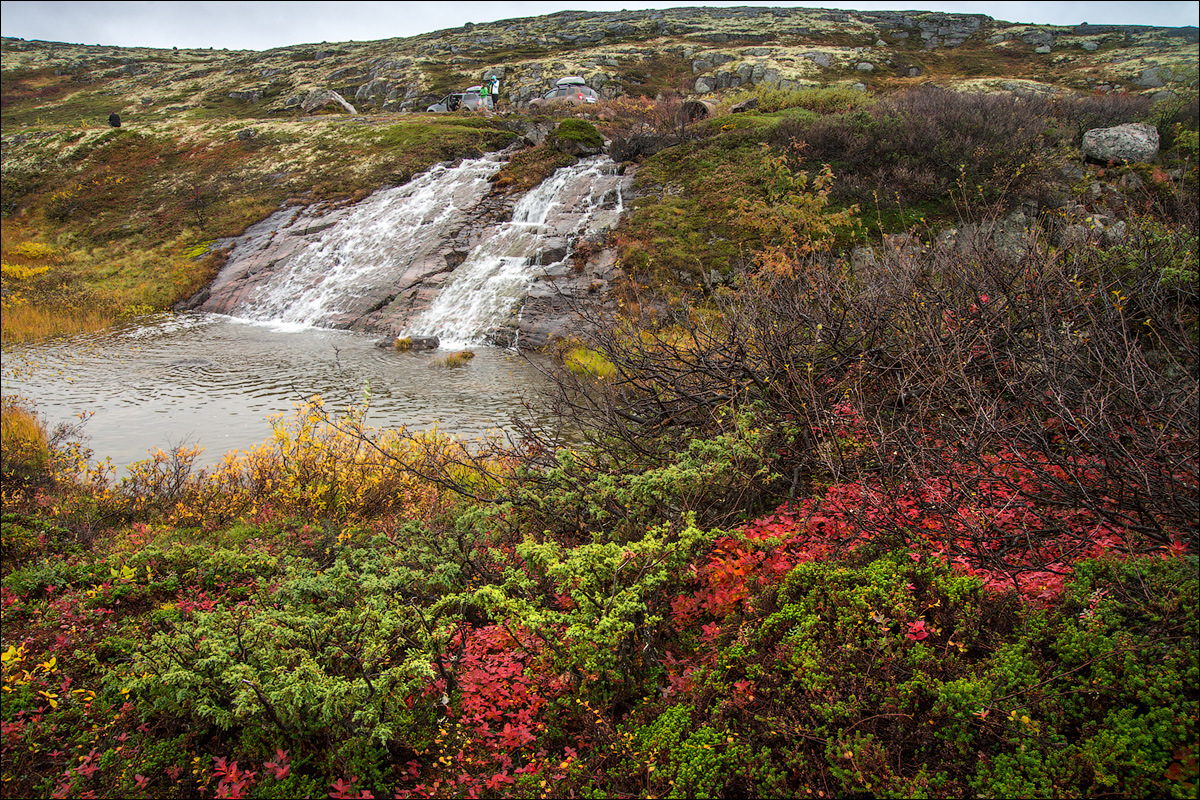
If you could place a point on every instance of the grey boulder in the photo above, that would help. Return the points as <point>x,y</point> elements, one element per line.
<point>1131,143</point>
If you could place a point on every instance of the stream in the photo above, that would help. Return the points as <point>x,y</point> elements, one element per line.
<point>274,329</point>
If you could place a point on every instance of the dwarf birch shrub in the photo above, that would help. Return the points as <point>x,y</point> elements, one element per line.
<point>917,145</point>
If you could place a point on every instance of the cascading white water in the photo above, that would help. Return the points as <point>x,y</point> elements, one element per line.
<point>485,289</point>
<point>376,241</point>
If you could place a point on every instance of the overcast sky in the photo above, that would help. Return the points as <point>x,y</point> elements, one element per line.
<point>263,25</point>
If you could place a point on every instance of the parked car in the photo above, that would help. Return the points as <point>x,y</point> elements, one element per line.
<point>567,90</point>
<point>471,99</point>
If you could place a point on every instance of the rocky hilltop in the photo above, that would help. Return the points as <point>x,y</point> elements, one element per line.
<point>694,50</point>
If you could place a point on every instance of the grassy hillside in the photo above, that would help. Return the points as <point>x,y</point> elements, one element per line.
<point>215,140</point>
<point>882,480</point>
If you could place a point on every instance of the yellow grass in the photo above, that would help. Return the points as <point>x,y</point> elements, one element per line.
<point>24,446</point>
<point>583,361</point>
<point>22,322</point>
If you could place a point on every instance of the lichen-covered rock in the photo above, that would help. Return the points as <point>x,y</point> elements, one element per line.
<point>320,98</point>
<point>247,96</point>
<point>1132,143</point>
<point>1149,78</point>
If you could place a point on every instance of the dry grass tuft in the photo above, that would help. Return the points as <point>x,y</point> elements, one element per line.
<point>455,360</point>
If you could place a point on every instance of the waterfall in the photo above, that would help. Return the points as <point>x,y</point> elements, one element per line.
<point>426,259</point>
<point>362,254</point>
<point>487,289</point>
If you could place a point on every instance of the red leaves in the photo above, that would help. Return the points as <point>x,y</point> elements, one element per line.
<point>515,736</point>
<point>279,765</point>
<point>341,790</point>
<point>499,779</point>
<point>495,686</point>
<point>985,519</point>
<point>234,782</point>
<point>87,765</point>
<point>917,631</point>
<point>201,602</point>
<point>504,693</point>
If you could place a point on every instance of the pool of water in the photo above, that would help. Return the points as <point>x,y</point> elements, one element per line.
<point>211,380</point>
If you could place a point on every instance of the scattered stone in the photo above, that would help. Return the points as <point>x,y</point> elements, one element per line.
<point>748,104</point>
<point>341,74</point>
<point>1038,38</point>
<point>1070,235</point>
<point>404,344</point>
<point>1149,79</point>
<point>1110,230</point>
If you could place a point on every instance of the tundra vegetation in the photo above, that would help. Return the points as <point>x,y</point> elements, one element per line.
<point>880,479</point>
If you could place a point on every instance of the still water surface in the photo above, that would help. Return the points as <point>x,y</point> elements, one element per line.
<point>215,381</point>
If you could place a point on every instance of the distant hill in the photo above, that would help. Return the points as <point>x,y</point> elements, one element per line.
<point>691,50</point>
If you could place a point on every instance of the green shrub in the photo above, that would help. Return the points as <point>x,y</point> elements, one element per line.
<point>330,652</point>
<point>578,130</point>
<point>830,100</point>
